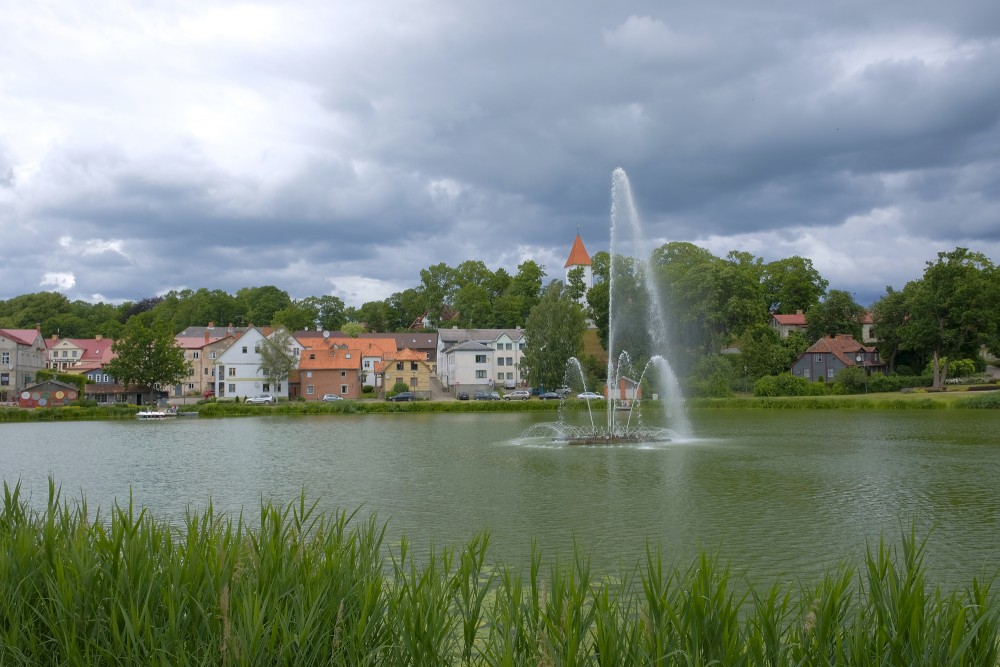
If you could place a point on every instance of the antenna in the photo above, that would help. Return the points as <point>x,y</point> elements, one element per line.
<point>326,334</point>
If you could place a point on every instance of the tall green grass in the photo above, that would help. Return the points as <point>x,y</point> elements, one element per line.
<point>293,586</point>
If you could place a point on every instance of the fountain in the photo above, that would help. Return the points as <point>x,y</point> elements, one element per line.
<point>637,331</point>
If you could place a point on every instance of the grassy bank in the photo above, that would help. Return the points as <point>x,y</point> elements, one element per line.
<point>885,401</point>
<point>289,586</point>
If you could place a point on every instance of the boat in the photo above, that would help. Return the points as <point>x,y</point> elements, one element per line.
<point>147,415</point>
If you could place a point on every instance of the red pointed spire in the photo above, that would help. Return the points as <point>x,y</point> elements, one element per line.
<point>578,255</point>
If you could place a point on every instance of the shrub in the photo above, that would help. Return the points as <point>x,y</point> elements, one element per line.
<point>787,384</point>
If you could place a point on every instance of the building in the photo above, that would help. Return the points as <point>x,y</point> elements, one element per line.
<point>480,359</point>
<point>202,346</point>
<point>830,354</point>
<point>22,355</point>
<point>341,365</point>
<point>410,367</point>
<point>47,394</point>
<point>786,324</point>
<point>579,259</point>
<point>238,368</point>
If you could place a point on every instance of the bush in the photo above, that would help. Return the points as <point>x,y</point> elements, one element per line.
<point>787,384</point>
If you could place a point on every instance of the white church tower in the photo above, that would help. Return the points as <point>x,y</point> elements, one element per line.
<point>578,258</point>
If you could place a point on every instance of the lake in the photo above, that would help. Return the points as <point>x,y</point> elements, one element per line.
<point>782,495</point>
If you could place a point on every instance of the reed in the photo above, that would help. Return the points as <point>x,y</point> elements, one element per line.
<point>290,585</point>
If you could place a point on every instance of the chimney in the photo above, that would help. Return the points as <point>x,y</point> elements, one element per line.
<point>230,327</point>
<point>55,336</point>
<point>206,335</point>
<point>799,312</point>
<point>211,325</point>
<point>38,326</point>
<point>98,337</point>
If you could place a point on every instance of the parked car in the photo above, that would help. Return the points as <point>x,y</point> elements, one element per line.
<point>463,396</point>
<point>262,399</point>
<point>402,396</point>
<point>589,396</point>
<point>563,391</point>
<point>331,397</point>
<point>487,396</point>
<point>549,396</point>
<point>519,395</point>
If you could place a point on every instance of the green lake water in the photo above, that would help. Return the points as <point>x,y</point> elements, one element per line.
<point>781,495</point>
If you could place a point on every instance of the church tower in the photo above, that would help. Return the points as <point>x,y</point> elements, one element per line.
<point>578,258</point>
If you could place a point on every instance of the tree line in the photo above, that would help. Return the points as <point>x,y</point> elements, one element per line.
<point>713,303</point>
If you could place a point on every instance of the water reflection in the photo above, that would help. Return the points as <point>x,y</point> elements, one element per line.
<point>781,495</point>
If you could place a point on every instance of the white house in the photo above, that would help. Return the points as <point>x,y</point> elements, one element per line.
<point>238,369</point>
<point>480,358</point>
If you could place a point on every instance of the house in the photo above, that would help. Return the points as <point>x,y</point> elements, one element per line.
<point>341,365</point>
<point>830,354</point>
<point>410,367</point>
<point>238,371</point>
<point>480,359</point>
<point>22,355</point>
<point>202,346</point>
<point>786,324</point>
<point>47,394</point>
<point>106,390</point>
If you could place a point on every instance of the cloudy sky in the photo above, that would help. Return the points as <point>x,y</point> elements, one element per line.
<point>338,147</point>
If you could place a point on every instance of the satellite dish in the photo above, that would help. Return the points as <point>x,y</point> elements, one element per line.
<point>326,334</point>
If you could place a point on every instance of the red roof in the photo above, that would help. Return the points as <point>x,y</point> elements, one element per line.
<point>842,346</point>
<point>22,336</point>
<point>578,255</point>
<point>794,319</point>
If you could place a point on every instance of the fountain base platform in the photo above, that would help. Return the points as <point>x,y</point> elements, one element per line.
<point>612,440</point>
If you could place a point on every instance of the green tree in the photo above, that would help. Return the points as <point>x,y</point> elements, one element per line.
<point>952,308</point>
<point>259,304</point>
<point>353,329</point>
<point>554,333</point>
<point>296,317</point>
<point>712,376</point>
<point>277,360</point>
<point>837,313</point>
<point>148,357</point>
<point>576,286</point>
<point>762,352</point>
<point>330,311</point>
<point>889,316</point>
<point>792,284</point>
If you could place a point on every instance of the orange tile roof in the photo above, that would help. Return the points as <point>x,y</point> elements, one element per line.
<point>578,255</point>
<point>793,319</point>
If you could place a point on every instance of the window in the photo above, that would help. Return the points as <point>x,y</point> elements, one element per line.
<point>206,371</point>
<point>232,371</point>
<point>211,355</point>
<point>190,385</point>
<point>105,378</point>
<point>818,358</point>
<point>244,349</point>
<point>309,374</point>
<point>520,346</point>
<point>343,374</point>
<point>232,388</point>
<point>481,359</point>
<point>509,346</point>
<point>102,398</point>
<point>368,363</point>
<point>413,383</point>
<point>312,355</point>
<point>499,361</point>
<point>343,389</point>
<point>805,373</point>
<point>277,387</point>
<point>510,361</point>
<point>310,389</point>
<point>6,358</point>
<point>480,375</point>
<point>829,373</point>
<point>65,354</point>
<point>256,349</point>
<point>74,354</point>
<point>196,355</point>
<point>399,365</point>
<point>413,365</point>
<point>267,386</point>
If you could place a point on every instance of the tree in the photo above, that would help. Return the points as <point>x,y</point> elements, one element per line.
<point>762,352</point>
<point>554,333</point>
<point>296,317</point>
<point>261,303</point>
<point>330,311</point>
<point>953,308</point>
<point>353,329</point>
<point>148,357</point>
<point>837,313</point>
<point>792,284</point>
<point>576,286</point>
<point>277,360</point>
<point>889,316</point>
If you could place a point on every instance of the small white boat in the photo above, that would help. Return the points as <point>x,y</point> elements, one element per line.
<point>147,415</point>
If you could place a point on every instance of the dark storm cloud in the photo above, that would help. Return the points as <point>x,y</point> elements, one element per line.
<point>333,148</point>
